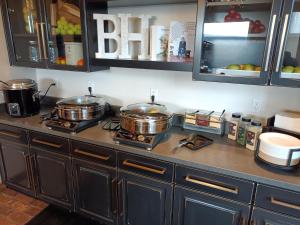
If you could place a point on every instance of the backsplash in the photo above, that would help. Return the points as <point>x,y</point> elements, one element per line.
<point>175,89</point>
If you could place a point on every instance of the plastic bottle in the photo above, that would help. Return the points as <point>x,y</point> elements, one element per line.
<point>234,126</point>
<point>242,130</point>
<point>253,132</point>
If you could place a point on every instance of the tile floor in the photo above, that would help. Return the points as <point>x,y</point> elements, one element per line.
<point>16,208</point>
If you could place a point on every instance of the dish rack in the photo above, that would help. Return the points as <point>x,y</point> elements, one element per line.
<point>205,121</point>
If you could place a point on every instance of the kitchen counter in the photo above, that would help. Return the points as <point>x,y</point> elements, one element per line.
<point>223,156</point>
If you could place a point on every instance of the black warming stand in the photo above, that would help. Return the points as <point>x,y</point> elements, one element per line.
<point>147,142</point>
<point>270,128</point>
<point>70,126</point>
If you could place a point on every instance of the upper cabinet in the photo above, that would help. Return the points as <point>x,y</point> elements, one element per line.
<point>248,42</point>
<point>46,33</point>
<point>236,40</point>
<point>286,69</point>
<point>156,34</point>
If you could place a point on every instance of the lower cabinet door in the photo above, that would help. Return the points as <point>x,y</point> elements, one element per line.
<point>144,201</point>
<point>53,173</point>
<point>16,167</point>
<point>194,208</point>
<point>266,217</point>
<point>95,190</point>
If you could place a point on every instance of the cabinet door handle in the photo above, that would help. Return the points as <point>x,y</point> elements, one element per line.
<point>274,18</point>
<point>213,186</point>
<point>10,134</point>
<point>27,166</point>
<point>284,204</point>
<point>120,197</point>
<point>281,46</point>
<point>145,168</point>
<point>101,157</point>
<point>114,201</point>
<point>44,40</point>
<point>37,141</point>
<point>37,27</point>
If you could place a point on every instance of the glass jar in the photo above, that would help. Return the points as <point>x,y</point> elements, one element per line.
<point>242,130</point>
<point>253,132</point>
<point>53,52</point>
<point>33,52</point>
<point>234,125</point>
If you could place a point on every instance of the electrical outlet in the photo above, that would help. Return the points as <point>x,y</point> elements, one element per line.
<point>153,92</point>
<point>256,105</point>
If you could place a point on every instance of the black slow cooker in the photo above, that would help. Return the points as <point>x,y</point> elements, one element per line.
<point>21,97</point>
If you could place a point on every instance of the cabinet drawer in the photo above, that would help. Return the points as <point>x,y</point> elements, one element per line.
<point>13,134</point>
<point>93,152</point>
<point>146,166</point>
<point>278,200</point>
<point>228,187</point>
<point>49,142</point>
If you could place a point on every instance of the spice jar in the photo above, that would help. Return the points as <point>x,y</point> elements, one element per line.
<point>234,125</point>
<point>242,130</point>
<point>253,132</point>
<point>33,51</point>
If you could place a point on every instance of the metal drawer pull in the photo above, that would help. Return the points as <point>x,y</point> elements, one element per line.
<point>9,134</point>
<point>210,185</point>
<point>284,204</point>
<point>105,158</point>
<point>34,140</point>
<point>145,168</point>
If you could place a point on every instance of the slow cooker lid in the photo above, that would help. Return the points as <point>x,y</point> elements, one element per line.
<point>19,84</point>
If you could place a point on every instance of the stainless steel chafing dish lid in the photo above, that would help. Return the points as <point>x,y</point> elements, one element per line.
<point>82,101</point>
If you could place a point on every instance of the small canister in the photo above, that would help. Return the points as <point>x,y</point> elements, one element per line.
<point>242,130</point>
<point>253,132</point>
<point>234,125</point>
<point>34,55</point>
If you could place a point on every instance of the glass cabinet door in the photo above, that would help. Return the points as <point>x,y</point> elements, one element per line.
<point>66,45</point>
<point>287,63</point>
<point>24,18</point>
<point>235,40</point>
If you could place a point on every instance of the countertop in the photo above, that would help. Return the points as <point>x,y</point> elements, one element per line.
<point>223,156</point>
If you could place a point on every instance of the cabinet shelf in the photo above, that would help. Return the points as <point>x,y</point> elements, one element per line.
<point>241,2</point>
<point>145,64</point>
<point>250,36</point>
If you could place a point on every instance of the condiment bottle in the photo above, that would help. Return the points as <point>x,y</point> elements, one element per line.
<point>242,130</point>
<point>252,136</point>
<point>234,126</point>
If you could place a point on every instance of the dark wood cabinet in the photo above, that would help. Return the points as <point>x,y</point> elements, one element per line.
<point>54,178</point>
<point>16,167</point>
<point>47,34</point>
<point>265,217</point>
<point>143,200</point>
<point>192,208</point>
<point>95,190</point>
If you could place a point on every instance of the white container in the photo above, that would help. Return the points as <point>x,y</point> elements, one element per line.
<point>288,121</point>
<point>74,52</point>
<point>295,23</point>
<point>276,148</point>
